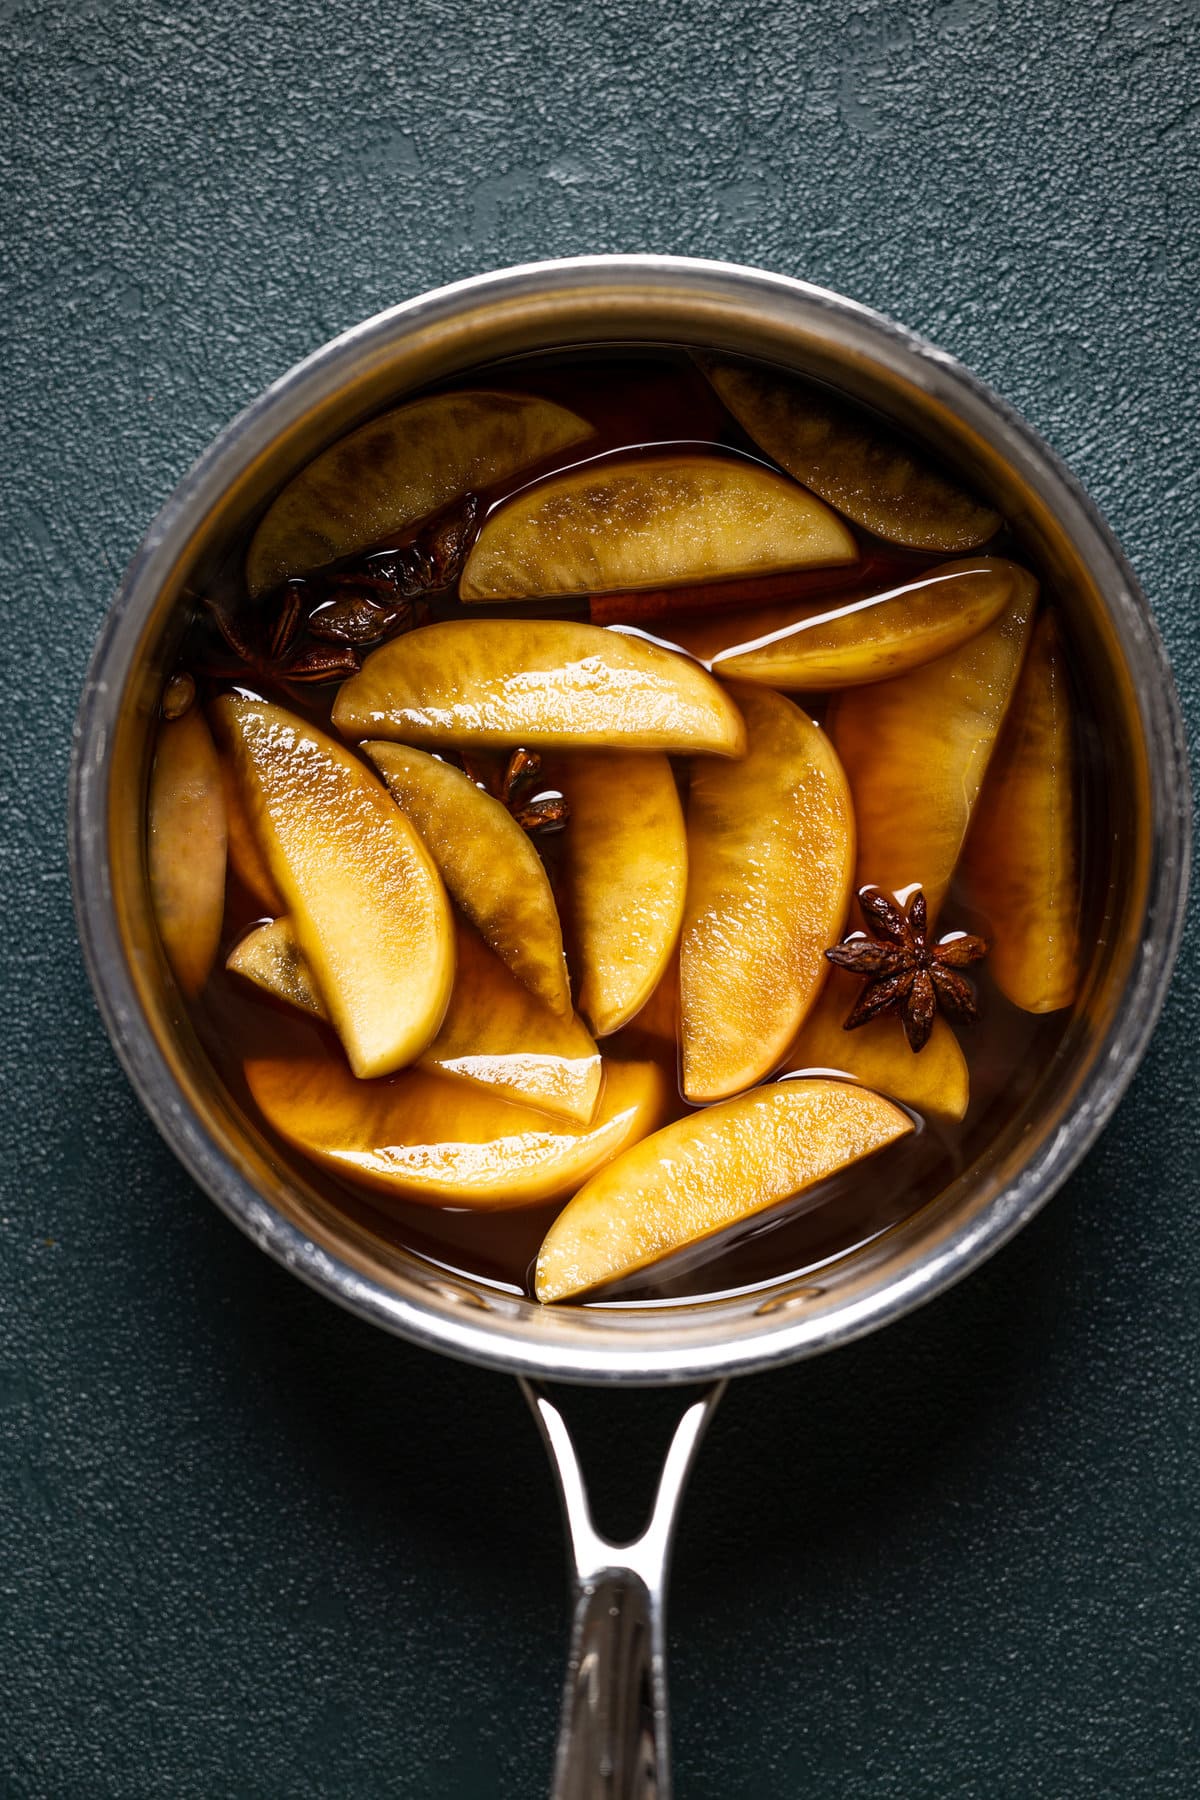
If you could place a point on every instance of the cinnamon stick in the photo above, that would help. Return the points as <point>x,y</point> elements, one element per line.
<point>647,607</point>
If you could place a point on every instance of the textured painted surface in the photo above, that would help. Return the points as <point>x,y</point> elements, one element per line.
<point>247,1546</point>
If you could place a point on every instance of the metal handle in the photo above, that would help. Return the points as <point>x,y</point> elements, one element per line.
<point>613,1739</point>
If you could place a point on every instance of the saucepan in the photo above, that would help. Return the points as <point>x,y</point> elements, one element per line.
<point>613,1739</point>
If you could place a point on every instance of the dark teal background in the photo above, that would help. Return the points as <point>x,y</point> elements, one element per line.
<point>249,1547</point>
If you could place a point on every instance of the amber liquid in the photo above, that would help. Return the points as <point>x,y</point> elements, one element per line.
<point>646,401</point>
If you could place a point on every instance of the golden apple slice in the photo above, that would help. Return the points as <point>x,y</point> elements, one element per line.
<point>396,469</point>
<point>708,1171</point>
<point>185,847</point>
<point>915,750</point>
<point>936,1082</point>
<point>423,1137</point>
<point>269,956</point>
<point>864,640</point>
<point>645,521</point>
<point>495,1032</point>
<point>487,862</point>
<point>245,858</point>
<point>854,464</point>
<point>484,683</point>
<point>370,912</point>
<point>625,874</point>
<point>498,1034</point>
<point>1022,855</point>
<point>771,853</point>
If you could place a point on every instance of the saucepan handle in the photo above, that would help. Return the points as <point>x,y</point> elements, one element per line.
<point>614,1740</point>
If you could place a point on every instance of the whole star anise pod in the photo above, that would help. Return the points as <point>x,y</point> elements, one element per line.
<point>270,641</point>
<point>906,974</point>
<point>347,608</point>
<point>539,815</point>
<point>360,610</point>
<point>381,595</point>
<point>433,557</point>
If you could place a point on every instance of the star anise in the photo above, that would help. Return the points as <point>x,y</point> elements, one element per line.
<point>374,599</point>
<point>270,641</point>
<point>433,557</point>
<point>360,610</point>
<point>539,814</point>
<point>906,974</point>
<point>346,608</point>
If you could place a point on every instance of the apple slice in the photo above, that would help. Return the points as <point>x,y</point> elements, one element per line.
<point>646,521</point>
<point>862,469</point>
<point>270,957</point>
<point>370,912</point>
<point>495,1032</point>
<point>423,1137</point>
<point>859,641</point>
<point>1022,855</point>
<point>185,847</point>
<point>493,683</point>
<point>488,863</point>
<point>246,860</point>
<point>625,874</point>
<point>916,749</point>
<point>936,1082</point>
<point>399,467</point>
<point>708,1171</point>
<point>771,854</point>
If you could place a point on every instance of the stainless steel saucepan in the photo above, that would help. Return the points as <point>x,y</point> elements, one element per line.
<point>614,1734</point>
